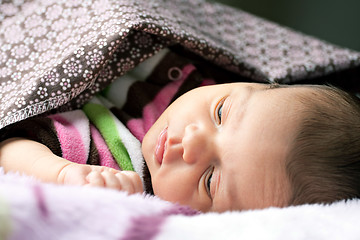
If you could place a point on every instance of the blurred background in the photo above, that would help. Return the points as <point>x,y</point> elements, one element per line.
<point>336,21</point>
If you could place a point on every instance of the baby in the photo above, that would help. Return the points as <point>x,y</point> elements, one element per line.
<point>233,146</point>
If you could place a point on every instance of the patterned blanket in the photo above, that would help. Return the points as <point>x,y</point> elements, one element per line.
<point>59,53</point>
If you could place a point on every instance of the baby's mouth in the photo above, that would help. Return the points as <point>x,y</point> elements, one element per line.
<point>161,145</point>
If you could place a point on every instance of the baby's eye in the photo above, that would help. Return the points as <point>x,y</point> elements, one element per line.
<point>218,111</point>
<point>208,182</point>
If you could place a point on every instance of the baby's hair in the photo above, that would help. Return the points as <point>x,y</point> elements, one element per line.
<point>323,164</point>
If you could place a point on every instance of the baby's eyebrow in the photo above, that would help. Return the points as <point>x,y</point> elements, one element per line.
<point>273,86</point>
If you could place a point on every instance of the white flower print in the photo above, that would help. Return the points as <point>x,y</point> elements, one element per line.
<point>101,42</point>
<point>20,51</point>
<point>29,40</point>
<point>29,8</point>
<point>8,87</point>
<point>79,52</point>
<point>33,56</point>
<point>65,83</point>
<point>6,47</point>
<point>50,78</point>
<point>3,57</point>
<point>67,13</point>
<point>20,102</point>
<point>94,58</point>
<point>8,9</point>
<point>202,45</point>
<point>13,34</point>
<point>16,76</point>
<point>72,67</point>
<point>42,92</point>
<point>4,72</point>
<point>88,75</point>
<point>42,45</point>
<point>11,63</point>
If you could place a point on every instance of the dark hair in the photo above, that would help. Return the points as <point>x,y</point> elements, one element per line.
<point>323,165</point>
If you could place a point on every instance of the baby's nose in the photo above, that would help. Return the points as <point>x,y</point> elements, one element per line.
<point>197,144</point>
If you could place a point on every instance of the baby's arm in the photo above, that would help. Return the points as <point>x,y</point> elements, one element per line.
<point>35,159</point>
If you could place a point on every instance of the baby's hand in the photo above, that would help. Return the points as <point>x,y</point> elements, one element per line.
<point>99,176</point>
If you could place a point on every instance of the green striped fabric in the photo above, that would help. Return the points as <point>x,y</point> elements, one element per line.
<point>102,118</point>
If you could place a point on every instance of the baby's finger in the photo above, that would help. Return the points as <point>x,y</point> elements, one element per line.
<point>136,180</point>
<point>131,182</point>
<point>95,178</point>
<point>110,180</point>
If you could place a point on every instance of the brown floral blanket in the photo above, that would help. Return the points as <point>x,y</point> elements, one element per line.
<point>57,54</point>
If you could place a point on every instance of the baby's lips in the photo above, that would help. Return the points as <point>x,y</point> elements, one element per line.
<point>160,146</point>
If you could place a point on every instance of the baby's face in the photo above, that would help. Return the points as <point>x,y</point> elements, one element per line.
<point>223,147</point>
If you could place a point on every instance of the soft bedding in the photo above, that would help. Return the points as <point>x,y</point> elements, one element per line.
<point>55,55</point>
<point>34,210</point>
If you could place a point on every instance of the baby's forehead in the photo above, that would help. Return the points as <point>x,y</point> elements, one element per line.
<point>301,94</point>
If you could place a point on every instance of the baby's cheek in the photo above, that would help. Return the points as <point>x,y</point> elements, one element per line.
<point>173,189</point>
<point>168,188</point>
<point>145,147</point>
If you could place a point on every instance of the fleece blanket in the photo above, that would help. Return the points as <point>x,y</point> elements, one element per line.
<point>32,210</point>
